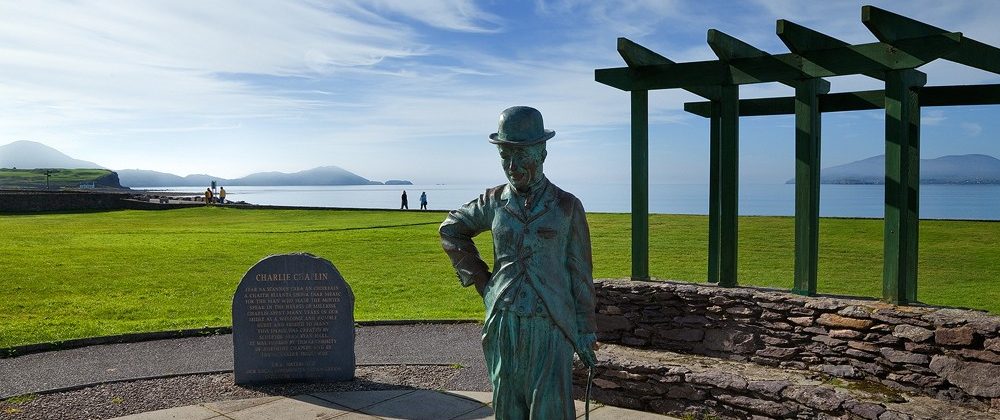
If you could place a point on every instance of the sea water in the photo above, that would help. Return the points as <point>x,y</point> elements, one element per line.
<point>975,202</point>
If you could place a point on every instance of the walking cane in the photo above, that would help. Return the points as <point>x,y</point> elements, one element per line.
<point>586,402</point>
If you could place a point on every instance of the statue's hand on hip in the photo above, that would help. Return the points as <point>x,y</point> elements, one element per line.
<point>481,282</point>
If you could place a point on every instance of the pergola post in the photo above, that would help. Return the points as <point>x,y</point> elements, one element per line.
<point>807,180</point>
<point>902,185</point>
<point>640,185</point>
<point>714,206</point>
<point>637,56</point>
<point>729,50</point>
<point>729,136</point>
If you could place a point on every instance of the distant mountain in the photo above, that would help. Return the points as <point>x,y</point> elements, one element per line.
<point>146,178</point>
<point>325,175</point>
<point>31,155</point>
<point>961,169</point>
<point>952,169</point>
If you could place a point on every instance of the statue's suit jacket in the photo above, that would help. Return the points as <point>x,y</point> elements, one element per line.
<point>547,248</point>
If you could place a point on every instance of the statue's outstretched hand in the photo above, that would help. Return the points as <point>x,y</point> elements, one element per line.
<point>585,346</point>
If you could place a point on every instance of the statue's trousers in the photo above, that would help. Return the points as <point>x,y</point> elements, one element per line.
<point>530,363</point>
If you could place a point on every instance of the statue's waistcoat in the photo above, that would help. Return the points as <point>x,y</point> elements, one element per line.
<point>531,247</point>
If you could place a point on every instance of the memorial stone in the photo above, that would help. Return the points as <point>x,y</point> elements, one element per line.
<point>293,321</point>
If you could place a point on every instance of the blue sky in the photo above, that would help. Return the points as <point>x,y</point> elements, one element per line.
<point>411,89</point>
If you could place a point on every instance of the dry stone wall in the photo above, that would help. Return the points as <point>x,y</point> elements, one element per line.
<point>949,354</point>
<point>705,387</point>
<point>27,201</point>
<point>32,201</point>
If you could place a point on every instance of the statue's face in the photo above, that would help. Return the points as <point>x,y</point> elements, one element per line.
<point>522,165</point>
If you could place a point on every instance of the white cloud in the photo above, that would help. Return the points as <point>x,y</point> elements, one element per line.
<point>293,84</point>
<point>635,17</point>
<point>932,116</point>
<point>103,62</point>
<point>454,15</point>
<point>972,129</point>
<point>257,37</point>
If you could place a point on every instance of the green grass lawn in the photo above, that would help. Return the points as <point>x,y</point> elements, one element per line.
<point>35,178</point>
<point>77,275</point>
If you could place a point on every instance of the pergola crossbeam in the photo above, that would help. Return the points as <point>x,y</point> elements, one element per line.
<point>963,95</point>
<point>730,49</point>
<point>636,55</point>
<point>800,40</point>
<point>891,28</point>
<point>854,59</point>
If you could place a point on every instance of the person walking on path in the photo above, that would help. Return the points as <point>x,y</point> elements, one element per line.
<point>423,200</point>
<point>208,196</point>
<point>404,205</point>
<point>222,195</point>
<point>539,296</point>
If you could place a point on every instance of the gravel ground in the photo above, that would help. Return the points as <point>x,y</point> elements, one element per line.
<point>124,398</point>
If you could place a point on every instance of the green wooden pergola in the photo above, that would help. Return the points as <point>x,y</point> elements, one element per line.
<point>903,45</point>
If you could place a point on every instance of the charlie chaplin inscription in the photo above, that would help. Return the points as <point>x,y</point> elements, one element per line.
<point>293,320</point>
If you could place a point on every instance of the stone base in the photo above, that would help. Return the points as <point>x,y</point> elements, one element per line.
<point>702,386</point>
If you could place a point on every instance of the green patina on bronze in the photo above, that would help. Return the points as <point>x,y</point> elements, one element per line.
<point>904,44</point>
<point>539,297</point>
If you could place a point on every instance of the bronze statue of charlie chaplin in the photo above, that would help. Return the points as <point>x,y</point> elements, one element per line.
<point>540,296</point>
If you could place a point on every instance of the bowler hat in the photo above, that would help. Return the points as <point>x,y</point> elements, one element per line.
<point>521,126</point>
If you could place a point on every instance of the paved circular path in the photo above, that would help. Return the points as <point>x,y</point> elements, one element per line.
<point>397,404</point>
<point>414,344</point>
<point>445,344</point>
